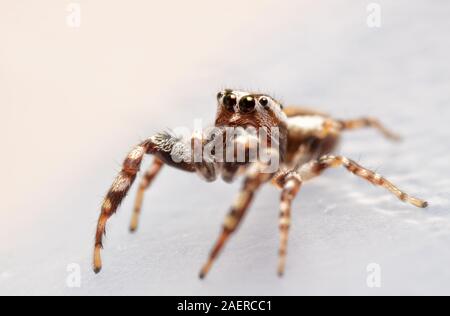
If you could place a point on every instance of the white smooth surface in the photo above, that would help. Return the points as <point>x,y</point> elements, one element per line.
<point>75,101</point>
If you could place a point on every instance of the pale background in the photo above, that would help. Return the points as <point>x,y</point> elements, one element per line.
<point>74,100</point>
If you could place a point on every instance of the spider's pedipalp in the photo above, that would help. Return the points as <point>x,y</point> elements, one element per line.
<point>203,163</point>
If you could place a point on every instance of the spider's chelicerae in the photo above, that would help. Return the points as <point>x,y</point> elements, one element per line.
<point>301,141</point>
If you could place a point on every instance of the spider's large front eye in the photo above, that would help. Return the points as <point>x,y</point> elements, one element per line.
<point>229,101</point>
<point>247,104</point>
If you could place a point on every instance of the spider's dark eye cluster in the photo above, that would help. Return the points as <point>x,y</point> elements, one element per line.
<point>247,104</point>
<point>229,101</point>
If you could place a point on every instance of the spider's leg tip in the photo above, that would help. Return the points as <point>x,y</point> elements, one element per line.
<point>133,224</point>
<point>97,270</point>
<point>205,269</point>
<point>203,272</point>
<point>425,204</point>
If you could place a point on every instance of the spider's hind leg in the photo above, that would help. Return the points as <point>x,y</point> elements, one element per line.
<point>337,161</point>
<point>291,182</point>
<point>368,122</point>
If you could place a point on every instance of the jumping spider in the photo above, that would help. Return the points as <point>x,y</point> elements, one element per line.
<point>306,140</point>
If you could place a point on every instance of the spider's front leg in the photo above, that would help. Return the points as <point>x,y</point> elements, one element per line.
<point>168,149</point>
<point>206,169</point>
<point>116,194</point>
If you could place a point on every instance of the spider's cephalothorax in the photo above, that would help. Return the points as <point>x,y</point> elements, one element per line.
<point>304,139</point>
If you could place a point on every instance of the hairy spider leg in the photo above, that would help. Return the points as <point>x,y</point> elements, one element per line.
<point>115,195</point>
<point>167,148</point>
<point>330,161</point>
<point>256,176</point>
<point>368,123</point>
<point>146,181</point>
<point>293,180</point>
<point>291,186</point>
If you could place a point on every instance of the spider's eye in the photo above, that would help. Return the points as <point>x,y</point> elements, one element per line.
<point>247,104</point>
<point>264,101</point>
<point>219,95</point>
<point>229,101</point>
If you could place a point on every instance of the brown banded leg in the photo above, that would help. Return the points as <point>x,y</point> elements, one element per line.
<point>326,162</point>
<point>252,183</point>
<point>161,145</point>
<point>368,122</point>
<point>146,181</point>
<point>290,188</point>
<point>114,197</point>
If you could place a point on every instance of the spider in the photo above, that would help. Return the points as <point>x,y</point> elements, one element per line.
<point>306,141</point>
